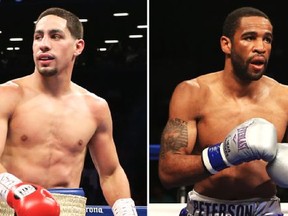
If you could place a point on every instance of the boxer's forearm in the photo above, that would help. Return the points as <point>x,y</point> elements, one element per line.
<point>116,190</point>
<point>115,187</point>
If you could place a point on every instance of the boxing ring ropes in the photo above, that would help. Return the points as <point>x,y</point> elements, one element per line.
<point>173,209</point>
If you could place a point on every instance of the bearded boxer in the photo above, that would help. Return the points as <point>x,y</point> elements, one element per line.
<point>223,127</point>
<point>47,124</point>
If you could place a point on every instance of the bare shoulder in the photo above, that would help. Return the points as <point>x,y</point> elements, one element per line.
<point>274,85</point>
<point>277,89</point>
<point>9,85</point>
<point>189,96</point>
<point>198,85</point>
<point>94,101</point>
<point>11,90</point>
<point>11,93</point>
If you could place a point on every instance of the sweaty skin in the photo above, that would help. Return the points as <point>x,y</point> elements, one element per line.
<point>205,109</point>
<point>47,122</point>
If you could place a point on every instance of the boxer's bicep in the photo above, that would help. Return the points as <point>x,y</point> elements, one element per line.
<point>104,156</point>
<point>3,134</point>
<point>103,153</point>
<point>102,147</point>
<point>175,137</point>
<point>180,131</point>
<point>10,94</point>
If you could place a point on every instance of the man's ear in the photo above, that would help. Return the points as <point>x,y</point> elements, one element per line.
<point>80,44</point>
<point>225,43</point>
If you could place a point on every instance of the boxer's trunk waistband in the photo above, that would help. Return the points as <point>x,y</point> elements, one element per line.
<point>70,191</point>
<point>198,204</point>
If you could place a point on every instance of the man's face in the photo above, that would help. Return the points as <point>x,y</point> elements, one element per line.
<point>251,48</point>
<point>53,46</point>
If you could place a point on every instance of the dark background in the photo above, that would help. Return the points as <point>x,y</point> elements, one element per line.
<point>119,75</point>
<point>184,43</point>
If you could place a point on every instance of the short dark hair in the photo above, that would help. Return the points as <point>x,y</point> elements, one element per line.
<point>233,19</point>
<point>73,23</point>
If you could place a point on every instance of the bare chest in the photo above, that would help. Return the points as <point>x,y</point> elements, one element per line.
<point>218,119</point>
<point>60,125</point>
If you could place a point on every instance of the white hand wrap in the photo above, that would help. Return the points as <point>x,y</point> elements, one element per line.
<point>124,207</point>
<point>254,139</point>
<point>278,168</point>
<point>7,181</point>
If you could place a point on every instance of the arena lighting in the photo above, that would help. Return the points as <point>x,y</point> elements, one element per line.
<point>121,14</point>
<point>111,41</point>
<point>16,39</point>
<point>141,26</point>
<point>135,36</point>
<point>12,48</point>
<point>83,20</point>
<point>101,49</point>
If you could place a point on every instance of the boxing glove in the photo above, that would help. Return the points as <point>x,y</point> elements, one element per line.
<point>124,207</point>
<point>278,168</point>
<point>183,212</point>
<point>254,139</point>
<point>27,199</point>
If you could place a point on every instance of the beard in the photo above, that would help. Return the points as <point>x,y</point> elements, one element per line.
<point>241,68</point>
<point>46,72</point>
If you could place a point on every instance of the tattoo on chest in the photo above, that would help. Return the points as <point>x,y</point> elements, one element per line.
<point>174,136</point>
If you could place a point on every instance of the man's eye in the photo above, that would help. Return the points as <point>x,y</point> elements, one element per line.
<point>37,37</point>
<point>249,38</point>
<point>268,40</point>
<point>56,37</point>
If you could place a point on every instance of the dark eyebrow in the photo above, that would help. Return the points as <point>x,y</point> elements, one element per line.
<point>268,34</point>
<point>38,32</point>
<point>53,31</point>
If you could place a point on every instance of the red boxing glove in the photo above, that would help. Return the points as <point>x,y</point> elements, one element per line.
<point>27,199</point>
<point>32,200</point>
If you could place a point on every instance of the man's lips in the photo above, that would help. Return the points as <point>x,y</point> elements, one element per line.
<point>257,67</point>
<point>258,60</point>
<point>258,63</point>
<point>45,57</point>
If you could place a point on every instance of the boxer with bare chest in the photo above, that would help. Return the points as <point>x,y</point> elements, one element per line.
<point>48,122</point>
<point>201,144</point>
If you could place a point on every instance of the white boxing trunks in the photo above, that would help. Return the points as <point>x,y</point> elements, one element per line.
<point>206,206</point>
<point>72,202</point>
